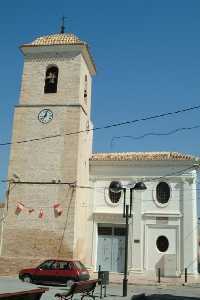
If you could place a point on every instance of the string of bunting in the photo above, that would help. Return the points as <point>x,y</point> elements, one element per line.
<point>58,210</point>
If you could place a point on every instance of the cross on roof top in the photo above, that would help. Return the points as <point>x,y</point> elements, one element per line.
<point>62,30</point>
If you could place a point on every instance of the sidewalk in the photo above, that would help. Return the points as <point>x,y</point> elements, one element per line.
<point>114,291</point>
<point>138,279</point>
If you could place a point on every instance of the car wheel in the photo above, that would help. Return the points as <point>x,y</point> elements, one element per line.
<point>70,282</point>
<point>27,278</point>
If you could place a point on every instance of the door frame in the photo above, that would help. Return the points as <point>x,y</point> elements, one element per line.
<point>161,226</point>
<point>112,225</point>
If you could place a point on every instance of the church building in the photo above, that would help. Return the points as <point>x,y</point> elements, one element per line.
<point>60,200</point>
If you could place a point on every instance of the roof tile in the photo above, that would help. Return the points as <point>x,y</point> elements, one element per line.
<point>125,156</point>
<point>57,39</point>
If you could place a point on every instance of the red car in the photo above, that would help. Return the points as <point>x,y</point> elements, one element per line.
<point>56,272</point>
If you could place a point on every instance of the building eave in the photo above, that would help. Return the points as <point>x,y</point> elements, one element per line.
<point>82,47</point>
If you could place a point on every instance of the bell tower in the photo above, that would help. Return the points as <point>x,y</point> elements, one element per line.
<point>49,159</point>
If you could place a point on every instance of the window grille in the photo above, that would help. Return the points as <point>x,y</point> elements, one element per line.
<point>163,192</point>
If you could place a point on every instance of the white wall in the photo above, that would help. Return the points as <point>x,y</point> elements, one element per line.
<point>177,220</point>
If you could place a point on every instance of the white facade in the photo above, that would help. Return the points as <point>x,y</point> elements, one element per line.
<point>176,220</point>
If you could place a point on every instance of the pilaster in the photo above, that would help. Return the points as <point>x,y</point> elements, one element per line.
<point>137,239</point>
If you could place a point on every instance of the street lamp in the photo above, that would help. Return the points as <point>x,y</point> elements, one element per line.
<point>116,187</point>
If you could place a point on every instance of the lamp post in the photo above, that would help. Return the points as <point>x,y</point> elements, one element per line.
<point>116,187</point>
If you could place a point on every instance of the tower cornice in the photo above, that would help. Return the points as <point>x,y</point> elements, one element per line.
<point>60,43</point>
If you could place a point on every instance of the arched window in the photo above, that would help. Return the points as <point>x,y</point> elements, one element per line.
<point>162,192</point>
<point>51,80</point>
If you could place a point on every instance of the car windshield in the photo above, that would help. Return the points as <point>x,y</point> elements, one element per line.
<point>79,265</point>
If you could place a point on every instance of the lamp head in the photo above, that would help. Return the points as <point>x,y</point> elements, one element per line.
<point>140,186</point>
<point>115,187</point>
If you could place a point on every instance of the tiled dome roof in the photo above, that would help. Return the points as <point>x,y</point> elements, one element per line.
<point>58,39</point>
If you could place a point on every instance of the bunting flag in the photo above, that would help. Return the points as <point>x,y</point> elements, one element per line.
<point>19,207</point>
<point>58,209</point>
<point>41,213</point>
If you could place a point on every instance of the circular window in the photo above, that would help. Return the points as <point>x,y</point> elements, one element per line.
<point>113,196</point>
<point>162,192</point>
<point>162,243</point>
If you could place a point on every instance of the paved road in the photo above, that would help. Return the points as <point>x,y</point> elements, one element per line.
<point>114,291</point>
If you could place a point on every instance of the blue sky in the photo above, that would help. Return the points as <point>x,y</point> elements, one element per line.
<point>147,54</point>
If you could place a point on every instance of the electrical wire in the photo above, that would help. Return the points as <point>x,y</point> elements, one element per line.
<point>139,137</point>
<point>66,223</point>
<point>40,182</point>
<point>152,117</point>
<point>73,184</point>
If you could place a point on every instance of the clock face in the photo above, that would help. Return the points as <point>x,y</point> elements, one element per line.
<point>45,116</point>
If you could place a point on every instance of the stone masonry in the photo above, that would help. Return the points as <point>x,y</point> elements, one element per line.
<point>51,170</point>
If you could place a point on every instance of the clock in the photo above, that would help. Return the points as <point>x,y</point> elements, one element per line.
<point>45,116</point>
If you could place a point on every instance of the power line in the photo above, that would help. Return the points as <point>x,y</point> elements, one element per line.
<point>101,189</point>
<point>152,117</point>
<point>135,199</point>
<point>59,182</point>
<point>173,173</point>
<point>139,137</point>
<point>73,185</point>
<point>66,223</point>
<point>39,182</point>
<point>166,176</point>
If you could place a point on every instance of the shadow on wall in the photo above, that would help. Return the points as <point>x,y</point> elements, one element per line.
<point>168,266</point>
<point>160,265</point>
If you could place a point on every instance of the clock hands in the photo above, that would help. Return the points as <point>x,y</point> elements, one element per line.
<point>45,116</point>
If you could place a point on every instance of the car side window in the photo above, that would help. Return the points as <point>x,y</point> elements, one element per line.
<point>70,266</point>
<point>54,266</point>
<point>46,265</point>
<point>64,265</point>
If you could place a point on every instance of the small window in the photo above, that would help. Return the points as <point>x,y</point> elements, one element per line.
<point>51,80</point>
<point>119,231</point>
<point>104,230</point>
<point>114,197</point>
<point>162,192</point>
<point>162,243</point>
